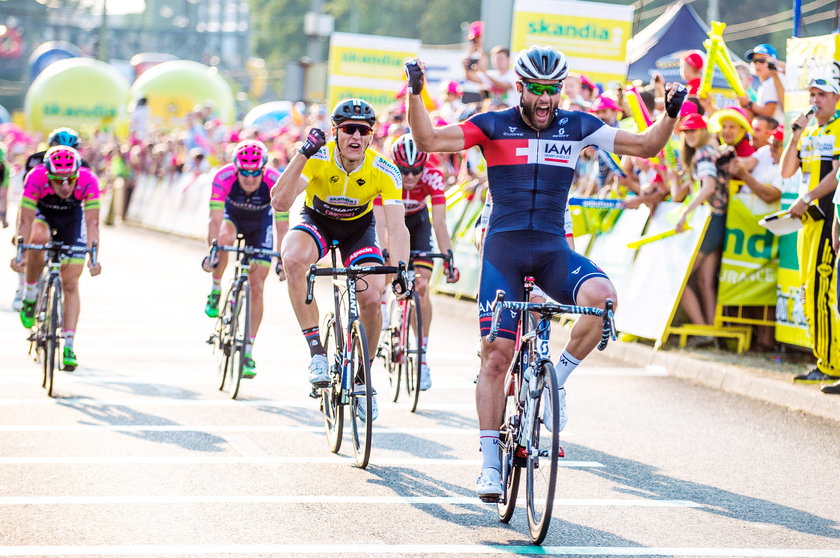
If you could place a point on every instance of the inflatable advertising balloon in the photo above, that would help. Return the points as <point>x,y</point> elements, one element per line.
<point>269,117</point>
<point>49,52</point>
<point>174,88</point>
<point>81,93</point>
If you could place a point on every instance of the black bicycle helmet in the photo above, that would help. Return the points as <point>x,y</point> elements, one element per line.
<point>355,110</point>
<point>542,63</point>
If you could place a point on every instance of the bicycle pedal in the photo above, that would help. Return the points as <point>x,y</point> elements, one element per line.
<point>315,393</point>
<point>490,498</point>
<point>211,340</point>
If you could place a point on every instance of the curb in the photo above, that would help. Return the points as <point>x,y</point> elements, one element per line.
<point>752,383</point>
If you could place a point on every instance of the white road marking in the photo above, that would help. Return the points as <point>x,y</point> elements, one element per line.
<point>152,401</point>
<point>216,428</point>
<point>324,499</point>
<point>419,549</point>
<point>202,460</point>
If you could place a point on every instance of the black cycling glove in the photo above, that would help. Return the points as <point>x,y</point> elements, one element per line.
<point>673,104</point>
<point>314,142</point>
<point>414,74</point>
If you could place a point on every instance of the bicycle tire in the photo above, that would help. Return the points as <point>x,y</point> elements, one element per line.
<point>40,334</point>
<point>241,315</point>
<point>52,323</point>
<point>359,367</point>
<point>391,350</point>
<point>331,406</point>
<point>412,342</point>
<point>224,324</point>
<point>543,454</point>
<point>508,435</point>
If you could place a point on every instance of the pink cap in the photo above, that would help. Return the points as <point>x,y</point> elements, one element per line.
<point>476,29</point>
<point>688,107</point>
<point>604,103</point>
<point>585,81</point>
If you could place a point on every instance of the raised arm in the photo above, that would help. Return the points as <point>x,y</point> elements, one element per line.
<point>651,141</point>
<point>291,184</point>
<point>446,139</point>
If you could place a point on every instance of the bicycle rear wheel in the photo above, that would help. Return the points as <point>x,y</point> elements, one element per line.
<point>361,397</point>
<point>51,344</point>
<point>412,337</point>
<point>240,317</point>
<point>543,453</point>
<point>511,467</point>
<point>331,396</point>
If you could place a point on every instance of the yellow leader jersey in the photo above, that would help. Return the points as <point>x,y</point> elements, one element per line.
<point>333,192</point>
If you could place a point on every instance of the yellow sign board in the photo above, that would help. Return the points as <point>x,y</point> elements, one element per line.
<point>595,46</point>
<point>368,67</point>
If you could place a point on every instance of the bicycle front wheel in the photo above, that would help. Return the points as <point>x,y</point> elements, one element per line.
<point>412,336</point>
<point>223,336</point>
<point>390,348</point>
<point>331,406</point>
<point>51,325</point>
<point>361,398</point>
<point>240,332</point>
<point>543,447</point>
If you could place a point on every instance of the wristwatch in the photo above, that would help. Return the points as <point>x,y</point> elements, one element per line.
<point>805,198</point>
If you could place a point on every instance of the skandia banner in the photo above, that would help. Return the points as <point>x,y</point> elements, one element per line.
<point>368,67</point>
<point>592,35</point>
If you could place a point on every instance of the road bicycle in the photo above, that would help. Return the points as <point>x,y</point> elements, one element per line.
<point>526,442</point>
<point>47,335</point>
<point>401,343</point>
<point>233,325</point>
<point>345,341</point>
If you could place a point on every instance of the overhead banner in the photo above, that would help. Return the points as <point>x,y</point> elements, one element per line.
<point>749,265</point>
<point>592,35</point>
<point>809,58</point>
<point>368,67</point>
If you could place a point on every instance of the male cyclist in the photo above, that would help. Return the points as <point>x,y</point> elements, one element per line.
<point>421,181</point>
<point>240,202</point>
<point>531,152</point>
<point>58,195</point>
<point>59,136</point>
<point>341,178</point>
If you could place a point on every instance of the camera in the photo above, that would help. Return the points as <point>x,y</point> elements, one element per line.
<point>725,158</point>
<point>771,66</point>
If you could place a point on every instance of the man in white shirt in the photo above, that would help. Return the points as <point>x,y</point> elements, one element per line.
<point>501,81</point>
<point>770,94</point>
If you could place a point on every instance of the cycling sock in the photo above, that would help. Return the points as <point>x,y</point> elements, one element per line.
<point>313,339</point>
<point>69,337</point>
<point>425,344</point>
<point>30,291</point>
<point>384,308</point>
<point>217,285</point>
<point>21,280</point>
<point>490,449</point>
<point>565,366</point>
<point>249,346</point>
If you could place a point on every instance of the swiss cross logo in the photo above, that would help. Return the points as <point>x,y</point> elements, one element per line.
<point>548,152</point>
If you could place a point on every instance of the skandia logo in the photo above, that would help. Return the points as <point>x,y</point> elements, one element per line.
<point>588,31</point>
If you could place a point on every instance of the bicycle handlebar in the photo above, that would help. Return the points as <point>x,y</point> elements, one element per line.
<point>551,308</point>
<point>448,259</point>
<point>60,247</point>
<point>355,270</point>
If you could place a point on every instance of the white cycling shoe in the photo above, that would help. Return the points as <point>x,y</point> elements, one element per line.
<point>488,485</point>
<point>425,377</point>
<point>361,410</point>
<point>561,418</point>
<point>319,371</point>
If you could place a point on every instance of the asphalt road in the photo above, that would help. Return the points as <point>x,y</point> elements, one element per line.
<point>140,454</point>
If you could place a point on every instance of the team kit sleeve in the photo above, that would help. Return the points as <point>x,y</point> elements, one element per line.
<point>477,130</point>
<point>390,181</point>
<point>437,186</point>
<point>88,189</point>
<point>595,132</point>
<point>34,187</point>
<point>222,183</point>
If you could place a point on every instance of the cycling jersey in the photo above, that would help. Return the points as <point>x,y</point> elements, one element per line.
<point>250,213</point>
<point>65,215</point>
<point>530,172</point>
<point>333,192</point>
<point>431,185</point>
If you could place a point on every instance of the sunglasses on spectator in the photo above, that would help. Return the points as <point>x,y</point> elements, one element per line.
<point>411,170</point>
<point>540,88</point>
<point>351,129</point>
<point>62,177</point>
<point>256,172</point>
<point>760,60</point>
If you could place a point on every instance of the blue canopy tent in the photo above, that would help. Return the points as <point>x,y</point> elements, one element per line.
<point>657,47</point>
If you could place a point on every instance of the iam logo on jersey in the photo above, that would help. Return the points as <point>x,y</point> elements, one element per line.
<point>548,152</point>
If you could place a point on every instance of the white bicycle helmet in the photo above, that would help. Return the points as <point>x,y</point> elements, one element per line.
<point>542,63</point>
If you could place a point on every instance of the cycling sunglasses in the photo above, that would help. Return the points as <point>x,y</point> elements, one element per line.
<point>351,129</point>
<point>540,88</point>
<point>62,177</point>
<point>244,172</point>
<point>411,170</point>
<point>759,60</point>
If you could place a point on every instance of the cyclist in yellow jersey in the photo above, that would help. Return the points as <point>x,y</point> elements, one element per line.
<point>341,178</point>
<point>816,149</point>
